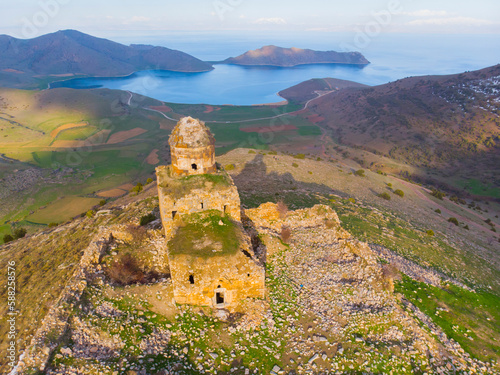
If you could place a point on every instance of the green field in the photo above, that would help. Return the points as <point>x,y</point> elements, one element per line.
<point>231,113</point>
<point>479,188</point>
<point>63,209</point>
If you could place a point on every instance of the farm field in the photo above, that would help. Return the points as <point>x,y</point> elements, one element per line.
<point>88,143</point>
<point>62,210</point>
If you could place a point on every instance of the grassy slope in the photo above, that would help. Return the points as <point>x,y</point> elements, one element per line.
<point>469,318</point>
<point>44,263</point>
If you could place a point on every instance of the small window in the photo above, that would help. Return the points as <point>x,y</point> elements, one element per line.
<point>174,213</point>
<point>202,205</point>
<point>191,279</point>
<point>219,298</point>
<point>225,208</point>
<point>218,287</point>
<point>248,274</point>
<point>194,167</point>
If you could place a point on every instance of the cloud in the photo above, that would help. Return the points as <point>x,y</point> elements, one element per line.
<point>140,19</point>
<point>453,21</point>
<point>135,19</point>
<point>271,21</point>
<point>426,13</point>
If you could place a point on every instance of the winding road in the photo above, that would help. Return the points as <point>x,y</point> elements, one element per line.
<point>306,105</point>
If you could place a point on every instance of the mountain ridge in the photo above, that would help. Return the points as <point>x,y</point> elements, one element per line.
<point>73,52</point>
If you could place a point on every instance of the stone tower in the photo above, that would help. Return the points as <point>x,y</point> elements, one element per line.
<point>212,262</point>
<point>192,146</point>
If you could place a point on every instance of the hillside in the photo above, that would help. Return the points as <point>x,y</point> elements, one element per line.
<point>70,52</point>
<point>308,90</point>
<point>447,125</point>
<point>287,57</point>
<point>332,299</point>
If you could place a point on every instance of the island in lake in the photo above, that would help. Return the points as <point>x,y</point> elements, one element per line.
<point>288,57</point>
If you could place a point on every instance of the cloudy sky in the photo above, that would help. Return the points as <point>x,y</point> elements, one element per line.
<point>28,18</point>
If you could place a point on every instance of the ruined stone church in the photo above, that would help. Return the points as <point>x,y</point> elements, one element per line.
<point>211,259</point>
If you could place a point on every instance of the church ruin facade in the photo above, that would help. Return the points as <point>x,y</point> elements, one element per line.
<point>211,259</point>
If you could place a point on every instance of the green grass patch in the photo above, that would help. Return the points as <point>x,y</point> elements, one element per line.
<point>203,235</point>
<point>308,131</point>
<point>294,201</point>
<point>179,187</point>
<point>472,319</point>
<point>231,113</point>
<point>477,187</point>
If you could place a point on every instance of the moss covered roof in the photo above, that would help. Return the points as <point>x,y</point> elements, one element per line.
<point>206,234</point>
<point>180,186</point>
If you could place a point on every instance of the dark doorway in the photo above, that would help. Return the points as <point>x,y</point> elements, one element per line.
<point>219,298</point>
<point>191,279</point>
<point>173,214</point>
<point>194,167</point>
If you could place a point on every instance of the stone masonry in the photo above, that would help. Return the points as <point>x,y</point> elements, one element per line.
<point>190,189</point>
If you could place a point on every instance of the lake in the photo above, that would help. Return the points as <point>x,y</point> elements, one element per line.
<point>392,56</point>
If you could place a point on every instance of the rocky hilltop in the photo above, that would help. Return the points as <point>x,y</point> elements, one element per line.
<point>288,57</point>
<point>330,306</point>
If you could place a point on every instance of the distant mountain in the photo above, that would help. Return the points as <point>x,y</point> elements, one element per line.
<point>72,52</point>
<point>288,57</point>
<point>447,123</point>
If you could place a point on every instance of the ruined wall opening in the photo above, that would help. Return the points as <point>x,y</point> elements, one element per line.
<point>219,298</point>
<point>174,213</point>
<point>225,208</point>
<point>191,279</point>
<point>194,167</point>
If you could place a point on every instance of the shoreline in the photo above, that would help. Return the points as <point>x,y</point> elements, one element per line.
<point>76,76</point>
<point>360,65</point>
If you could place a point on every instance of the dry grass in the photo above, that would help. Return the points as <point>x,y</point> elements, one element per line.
<point>113,193</point>
<point>54,133</point>
<point>282,208</point>
<point>139,234</point>
<point>125,270</point>
<point>153,158</point>
<point>125,135</point>
<point>286,234</point>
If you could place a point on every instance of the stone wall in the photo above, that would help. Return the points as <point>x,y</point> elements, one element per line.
<point>222,198</point>
<point>192,161</point>
<point>198,280</point>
